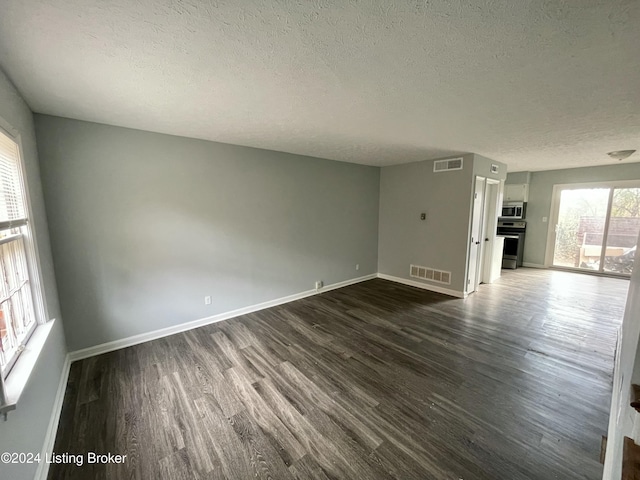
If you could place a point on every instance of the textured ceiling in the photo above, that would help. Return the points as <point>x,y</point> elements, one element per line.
<point>538,84</point>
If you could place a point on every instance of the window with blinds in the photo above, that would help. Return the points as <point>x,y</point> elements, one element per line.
<point>17,318</point>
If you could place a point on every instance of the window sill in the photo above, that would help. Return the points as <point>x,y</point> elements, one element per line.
<point>16,382</point>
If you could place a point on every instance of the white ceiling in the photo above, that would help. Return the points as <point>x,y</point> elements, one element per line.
<point>538,84</point>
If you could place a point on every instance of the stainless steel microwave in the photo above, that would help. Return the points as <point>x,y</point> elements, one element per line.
<point>513,211</point>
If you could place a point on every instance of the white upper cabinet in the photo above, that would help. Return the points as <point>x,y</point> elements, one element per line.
<point>516,192</point>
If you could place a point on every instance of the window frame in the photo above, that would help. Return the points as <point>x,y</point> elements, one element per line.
<point>19,368</point>
<point>32,328</point>
<point>554,210</point>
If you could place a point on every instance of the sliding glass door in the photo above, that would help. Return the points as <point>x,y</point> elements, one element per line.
<point>596,228</point>
<point>580,226</point>
<point>622,234</point>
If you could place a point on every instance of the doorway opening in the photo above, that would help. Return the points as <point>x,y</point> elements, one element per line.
<point>481,263</point>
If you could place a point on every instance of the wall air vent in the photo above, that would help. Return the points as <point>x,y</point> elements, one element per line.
<point>446,165</point>
<point>430,274</point>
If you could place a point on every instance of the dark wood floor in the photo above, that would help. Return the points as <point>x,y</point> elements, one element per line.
<point>372,381</point>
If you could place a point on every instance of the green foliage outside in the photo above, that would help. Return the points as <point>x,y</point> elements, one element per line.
<point>577,204</point>
<point>574,205</point>
<point>626,202</point>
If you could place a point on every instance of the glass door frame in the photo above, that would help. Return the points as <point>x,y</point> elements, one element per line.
<point>553,222</point>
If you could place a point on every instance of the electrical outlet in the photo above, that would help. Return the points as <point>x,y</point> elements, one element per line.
<point>544,219</point>
<point>319,284</point>
<point>357,266</point>
<point>207,300</point>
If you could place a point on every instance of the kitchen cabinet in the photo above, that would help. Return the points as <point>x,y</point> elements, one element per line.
<point>518,192</point>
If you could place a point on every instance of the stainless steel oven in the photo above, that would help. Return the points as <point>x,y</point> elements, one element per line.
<point>513,211</point>
<point>513,233</point>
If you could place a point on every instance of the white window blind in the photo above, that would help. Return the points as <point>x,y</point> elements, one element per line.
<point>12,209</point>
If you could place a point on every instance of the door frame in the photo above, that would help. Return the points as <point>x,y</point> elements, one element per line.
<point>472,280</point>
<point>554,212</point>
<point>492,192</point>
<point>491,211</point>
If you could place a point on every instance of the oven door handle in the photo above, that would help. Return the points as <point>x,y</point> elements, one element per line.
<point>509,236</point>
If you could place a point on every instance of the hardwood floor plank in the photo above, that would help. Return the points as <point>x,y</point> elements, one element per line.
<point>235,460</point>
<point>238,334</point>
<point>206,379</point>
<point>265,417</point>
<point>307,469</point>
<point>177,466</point>
<point>264,457</point>
<point>402,466</point>
<point>323,402</point>
<point>375,380</point>
<point>235,357</point>
<point>204,343</point>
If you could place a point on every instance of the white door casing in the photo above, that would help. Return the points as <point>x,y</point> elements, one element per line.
<point>475,242</point>
<point>490,224</point>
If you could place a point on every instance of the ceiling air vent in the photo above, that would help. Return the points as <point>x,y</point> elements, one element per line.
<point>430,274</point>
<point>446,165</point>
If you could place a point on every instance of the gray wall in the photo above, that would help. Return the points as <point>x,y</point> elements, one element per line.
<point>541,189</point>
<point>440,242</point>
<point>406,191</point>
<point>25,429</point>
<point>482,168</point>
<point>518,178</point>
<point>144,225</point>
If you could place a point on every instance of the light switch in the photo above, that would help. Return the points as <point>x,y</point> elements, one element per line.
<point>544,219</point>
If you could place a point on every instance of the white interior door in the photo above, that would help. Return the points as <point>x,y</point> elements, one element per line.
<point>490,223</point>
<point>475,243</point>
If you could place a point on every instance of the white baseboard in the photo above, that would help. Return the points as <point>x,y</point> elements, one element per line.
<point>52,429</point>
<point>424,286</point>
<point>183,327</point>
<point>532,265</point>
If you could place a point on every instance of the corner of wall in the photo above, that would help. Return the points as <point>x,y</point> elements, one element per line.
<point>28,427</point>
